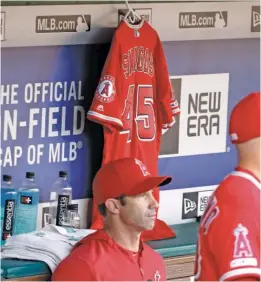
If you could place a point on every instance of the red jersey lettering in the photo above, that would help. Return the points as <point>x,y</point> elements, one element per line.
<point>210,214</point>
<point>138,60</point>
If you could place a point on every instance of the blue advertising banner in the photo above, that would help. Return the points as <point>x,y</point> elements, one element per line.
<point>46,91</point>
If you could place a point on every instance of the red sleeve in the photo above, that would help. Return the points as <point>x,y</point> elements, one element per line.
<point>168,104</point>
<point>234,243</point>
<point>106,107</point>
<point>163,267</point>
<point>73,269</point>
<point>247,279</point>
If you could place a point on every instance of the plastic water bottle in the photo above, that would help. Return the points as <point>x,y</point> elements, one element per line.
<point>72,218</point>
<point>27,206</point>
<point>60,198</point>
<point>8,201</point>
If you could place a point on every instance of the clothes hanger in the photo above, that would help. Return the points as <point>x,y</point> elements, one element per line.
<point>131,15</point>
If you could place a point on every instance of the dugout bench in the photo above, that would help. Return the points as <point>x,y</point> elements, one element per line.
<point>178,253</point>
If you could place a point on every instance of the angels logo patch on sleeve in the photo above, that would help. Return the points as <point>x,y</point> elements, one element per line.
<point>105,91</point>
<point>242,246</point>
<point>242,254</point>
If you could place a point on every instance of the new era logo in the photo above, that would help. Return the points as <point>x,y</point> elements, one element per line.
<point>2,26</point>
<point>255,19</point>
<point>143,12</point>
<point>189,205</point>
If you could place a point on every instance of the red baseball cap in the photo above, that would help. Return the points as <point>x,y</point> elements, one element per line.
<point>127,176</point>
<point>245,119</point>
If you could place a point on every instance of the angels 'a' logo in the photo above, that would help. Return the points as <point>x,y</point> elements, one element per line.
<point>143,168</point>
<point>105,91</point>
<point>157,276</point>
<point>242,246</point>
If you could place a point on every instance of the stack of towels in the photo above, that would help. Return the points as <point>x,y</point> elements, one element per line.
<point>50,244</point>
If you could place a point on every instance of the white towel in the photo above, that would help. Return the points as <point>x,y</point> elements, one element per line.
<point>50,244</point>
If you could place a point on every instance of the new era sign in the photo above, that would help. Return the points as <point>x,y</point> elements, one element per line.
<point>195,203</point>
<point>201,128</point>
<point>63,23</point>
<point>211,19</point>
<point>255,19</point>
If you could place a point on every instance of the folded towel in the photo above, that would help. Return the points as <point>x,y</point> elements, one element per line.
<point>50,244</point>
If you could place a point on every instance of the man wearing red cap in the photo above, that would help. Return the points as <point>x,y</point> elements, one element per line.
<point>123,190</point>
<point>228,245</point>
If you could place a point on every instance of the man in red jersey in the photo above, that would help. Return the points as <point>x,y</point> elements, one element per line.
<point>228,246</point>
<point>123,191</point>
<point>134,102</point>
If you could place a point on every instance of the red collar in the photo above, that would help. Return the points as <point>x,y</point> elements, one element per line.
<point>247,171</point>
<point>101,234</point>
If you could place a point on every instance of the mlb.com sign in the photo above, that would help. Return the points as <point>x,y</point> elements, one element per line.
<point>201,127</point>
<point>211,19</point>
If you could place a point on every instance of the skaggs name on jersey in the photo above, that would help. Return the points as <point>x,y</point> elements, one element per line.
<point>138,59</point>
